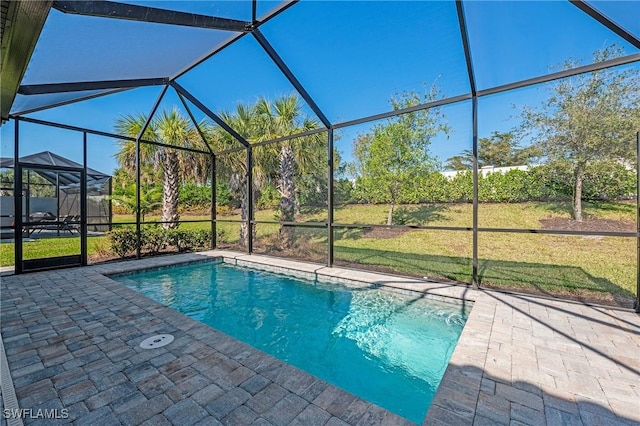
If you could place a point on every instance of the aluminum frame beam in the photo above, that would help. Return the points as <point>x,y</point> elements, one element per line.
<point>17,200</point>
<point>393,113</point>
<point>42,89</point>
<point>254,11</point>
<point>330,198</point>
<point>219,121</point>
<point>462,22</point>
<point>130,12</point>
<point>607,22</point>
<point>105,134</point>
<point>289,75</point>
<point>194,121</point>
<point>637,301</point>
<point>67,102</point>
<point>139,170</point>
<point>623,60</point>
<point>464,33</point>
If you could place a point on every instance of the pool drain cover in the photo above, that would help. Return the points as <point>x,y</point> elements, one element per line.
<point>156,341</point>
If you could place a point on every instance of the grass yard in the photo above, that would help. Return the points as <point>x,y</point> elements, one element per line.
<point>593,268</point>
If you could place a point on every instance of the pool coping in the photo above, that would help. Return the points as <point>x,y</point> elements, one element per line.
<point>519,359</point>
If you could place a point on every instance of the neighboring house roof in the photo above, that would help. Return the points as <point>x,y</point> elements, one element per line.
<point>47,158</point>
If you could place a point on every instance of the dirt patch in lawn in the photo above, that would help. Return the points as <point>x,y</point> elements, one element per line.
<point>381,233</point>
<point>590,225</point>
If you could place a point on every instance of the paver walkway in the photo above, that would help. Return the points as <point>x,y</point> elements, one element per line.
<point>71,339</point>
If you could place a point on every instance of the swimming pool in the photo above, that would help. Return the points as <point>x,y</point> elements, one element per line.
<point>387,348</point>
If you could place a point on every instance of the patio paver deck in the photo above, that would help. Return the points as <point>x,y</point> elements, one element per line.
<point>71,338</point>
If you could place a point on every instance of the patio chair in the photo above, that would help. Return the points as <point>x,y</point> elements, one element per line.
<point>42,220</point>
<point>67,223</point>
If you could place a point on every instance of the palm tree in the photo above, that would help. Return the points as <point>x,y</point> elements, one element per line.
<point>284,117</point>
<point>282,162</point>
<point>150,199</point>
<point>242,121</point>
<point>170,128</point>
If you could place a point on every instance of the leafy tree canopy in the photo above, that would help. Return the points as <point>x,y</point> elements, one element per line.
<point>587,118</point>
<point>501,149</point>
<point>391,157</point>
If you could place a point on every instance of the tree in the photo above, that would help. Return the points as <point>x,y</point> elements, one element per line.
<point>280,163</point>
<point>150,199</point>
<point>587,118</point>
<point>460,162</point>
<point>501,149</point>
<point>170,128</point>
<point>284,117</point>
<point>394,154</point>
<point>234,165</point>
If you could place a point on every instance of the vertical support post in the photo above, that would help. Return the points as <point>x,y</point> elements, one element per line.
<point>17,200</point>
<point>330,201</point>
<point>138,216</point>
<point>57,197</point>
<point>250,223</point>
<point>475,283</point>
<point>637,301</point>
<point>214,211</point>
<point>110,203</point>
<point>83,203</point>
<point>139,171</point>
<point>27,193</point>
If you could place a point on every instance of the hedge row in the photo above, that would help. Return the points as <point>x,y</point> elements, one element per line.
<point>602,181</point>
<point>155,240</point>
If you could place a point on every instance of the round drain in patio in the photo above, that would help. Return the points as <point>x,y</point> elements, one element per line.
<point>157,341</point>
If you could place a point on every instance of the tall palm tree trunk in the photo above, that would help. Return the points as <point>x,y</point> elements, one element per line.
<point>170,190</point>
<point>287,195</point>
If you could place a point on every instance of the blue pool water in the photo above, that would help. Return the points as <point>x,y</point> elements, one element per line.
<point>387,348</point>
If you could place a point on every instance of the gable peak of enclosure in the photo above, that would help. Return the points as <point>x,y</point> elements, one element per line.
<point>285,104</point>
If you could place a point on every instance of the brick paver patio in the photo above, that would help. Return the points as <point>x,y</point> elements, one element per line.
<point>72,341</point>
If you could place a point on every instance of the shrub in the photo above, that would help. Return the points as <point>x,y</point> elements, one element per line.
<point>177,238</point>
<point>123,241</point>
<point>188,240</point>
<point>461,187</point>
<point>603,181</point>
<point>223,194</point>
<point>343,191</point>
<point>510,187</point>
<point>221,236</point>
<point>269,197</point>
<point>608,180</point>
<point>311,190</point>
<point>200,239</point>
<point>195,196</point>
<point>153,240</point>
<point>434,188</point>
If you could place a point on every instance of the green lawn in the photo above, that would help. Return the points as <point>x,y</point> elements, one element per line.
<point>596,268</point>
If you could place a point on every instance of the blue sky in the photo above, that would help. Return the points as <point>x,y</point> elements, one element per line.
<point>350,56</point>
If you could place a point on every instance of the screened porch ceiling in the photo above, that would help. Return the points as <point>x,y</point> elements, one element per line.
<point>60,53</point>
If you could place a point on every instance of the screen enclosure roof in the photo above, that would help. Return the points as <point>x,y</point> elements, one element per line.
<point>341,58</point>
